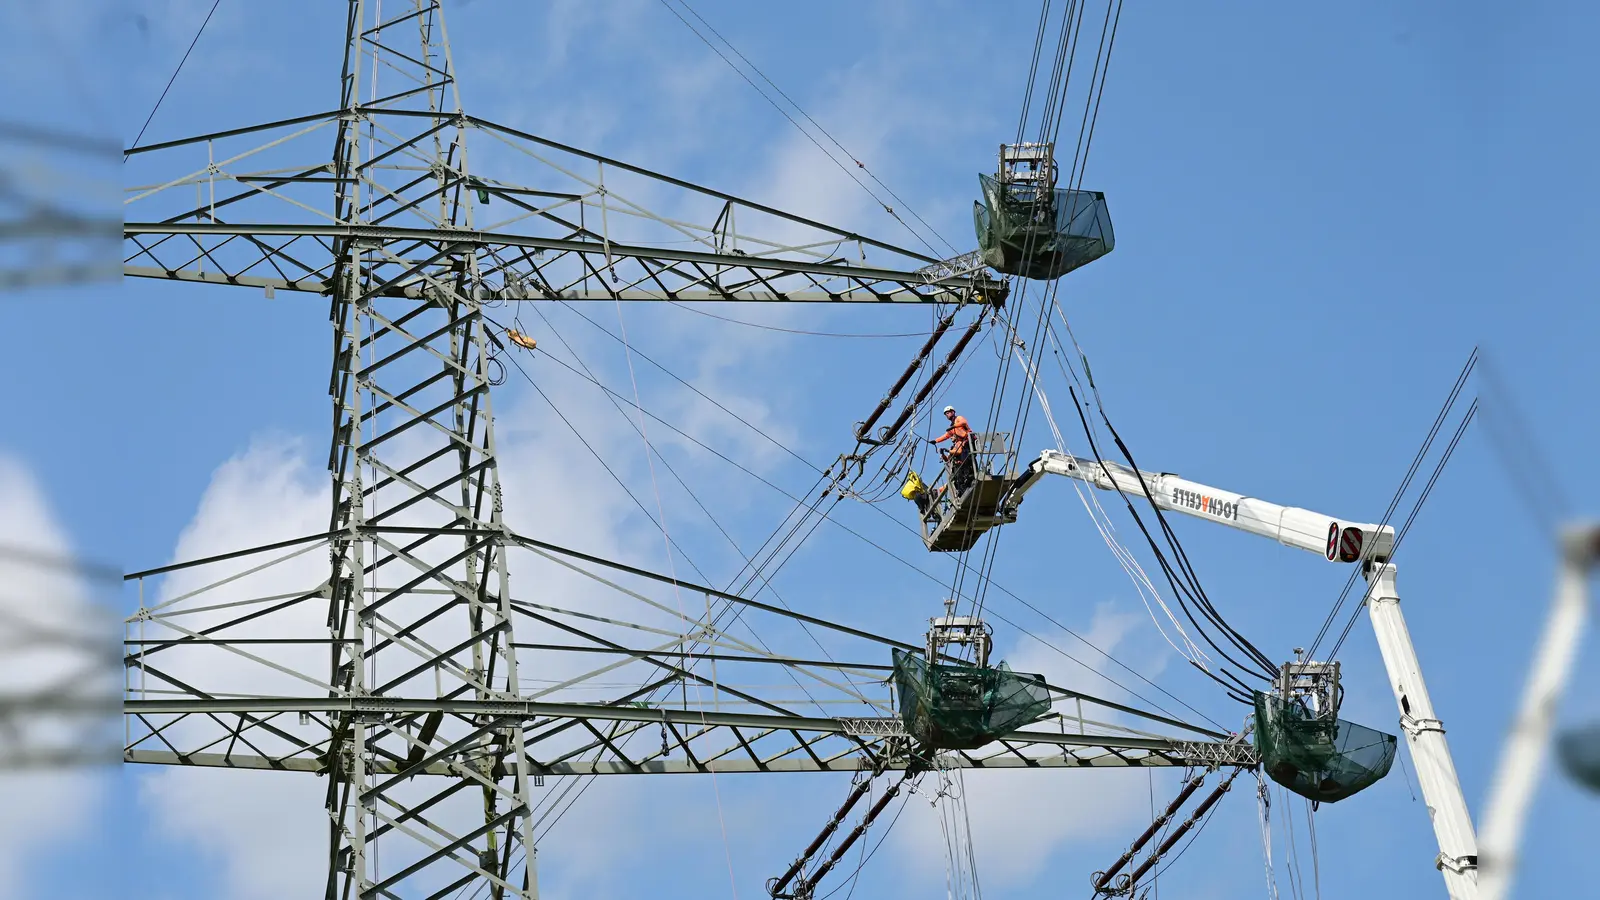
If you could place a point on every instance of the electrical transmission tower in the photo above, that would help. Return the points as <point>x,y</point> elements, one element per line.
<point>391,653</point>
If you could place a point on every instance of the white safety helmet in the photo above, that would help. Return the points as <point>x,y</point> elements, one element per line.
<point>949,409</point>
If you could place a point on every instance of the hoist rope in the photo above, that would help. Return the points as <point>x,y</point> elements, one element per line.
<point>1316,864</point>
<point>1297,877</point>
<point>1264,818</point>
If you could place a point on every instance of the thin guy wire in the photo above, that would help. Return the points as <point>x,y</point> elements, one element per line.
<point>174,78</point>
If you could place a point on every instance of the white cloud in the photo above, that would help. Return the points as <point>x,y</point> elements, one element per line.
<point>266,830</point>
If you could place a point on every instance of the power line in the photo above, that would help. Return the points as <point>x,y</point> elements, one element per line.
<point>884,550</point>
<point>699,393</point>
<point>1405,529</point>
<point>174,78</point>
<point>767,583</point>
<point>1399,494</point>
<point>830,334</point>
<point>1033,69</point>
<point>831,158</point>
<point>1060,80</point>
<point>835,141</point>
<point>990,582</point>
<point>655,487</point>
<point>1180,589</point>
<point>1519,454</point>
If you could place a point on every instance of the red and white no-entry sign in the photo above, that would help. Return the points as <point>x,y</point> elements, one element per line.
<point>1350,545</point>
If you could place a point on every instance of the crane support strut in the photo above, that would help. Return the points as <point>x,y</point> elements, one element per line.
<point>1338,540</point>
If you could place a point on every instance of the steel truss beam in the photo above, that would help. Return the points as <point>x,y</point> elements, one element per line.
<point>574,236</point>
<point>886,737</point>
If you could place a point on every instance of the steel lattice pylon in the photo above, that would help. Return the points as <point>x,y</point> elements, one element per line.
<point>392,669</point>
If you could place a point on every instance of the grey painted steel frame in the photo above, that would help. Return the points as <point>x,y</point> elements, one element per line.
<point>356,798</point>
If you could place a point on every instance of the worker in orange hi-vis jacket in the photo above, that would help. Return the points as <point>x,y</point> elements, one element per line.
<point>959,457</point>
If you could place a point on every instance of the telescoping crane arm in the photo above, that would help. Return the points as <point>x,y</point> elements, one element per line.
<point>1291,526</point>
<point>1340,541</point>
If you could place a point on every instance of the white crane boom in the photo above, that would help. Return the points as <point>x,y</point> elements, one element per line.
<point>1522,759</point>
<point>1288,525</point>
<point>1340,541</point>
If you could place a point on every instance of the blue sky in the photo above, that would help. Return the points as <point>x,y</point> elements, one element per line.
<point>1319,212</point>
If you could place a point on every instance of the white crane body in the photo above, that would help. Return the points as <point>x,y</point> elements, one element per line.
<point>1291,526</point>
<point>1341,541</point>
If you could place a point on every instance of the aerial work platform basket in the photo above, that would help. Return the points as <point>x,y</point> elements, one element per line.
<point>1318,756</point>
<point>1029,228</point>
<point>954,706</point>
<point>967,502</point>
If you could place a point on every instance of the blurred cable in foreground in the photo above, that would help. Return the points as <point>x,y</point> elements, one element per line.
<point>60,216</point>
<point>1517,779</point>
<point>60,663</point>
